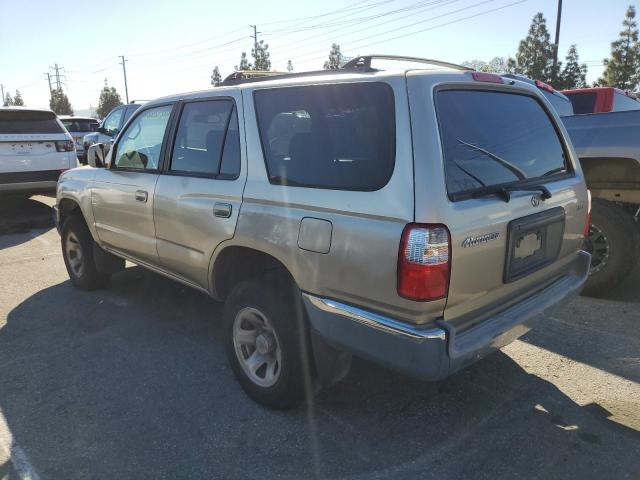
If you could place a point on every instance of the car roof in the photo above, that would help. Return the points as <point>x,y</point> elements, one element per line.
<point>25,109</point>
<point>73,117</point>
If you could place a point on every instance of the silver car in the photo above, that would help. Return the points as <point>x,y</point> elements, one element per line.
<point>78,127</point>
<point>419,218</point>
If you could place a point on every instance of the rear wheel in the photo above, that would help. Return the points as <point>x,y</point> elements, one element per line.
<point>612,243</point>
<point>78,253</point>
<point>267,342</point>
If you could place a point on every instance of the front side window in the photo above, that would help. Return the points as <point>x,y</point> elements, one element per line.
<point>140,144</point>
<point>207,140</point>
<point>328,136</point>
<point>112,123</point>
<point>494,138</point>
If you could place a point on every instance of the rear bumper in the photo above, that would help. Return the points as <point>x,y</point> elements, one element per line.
<point>436,352</point>
<point>27,187</point>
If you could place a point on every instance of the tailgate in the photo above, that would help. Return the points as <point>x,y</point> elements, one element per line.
<point>514,199</point>
<point>37,152</point>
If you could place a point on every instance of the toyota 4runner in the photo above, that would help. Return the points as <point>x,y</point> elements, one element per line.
<point>419,218</point>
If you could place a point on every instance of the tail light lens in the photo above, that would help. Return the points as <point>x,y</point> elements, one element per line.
<point>587,221</point>
<point>487,77</point>
<point>65,145</point>
<point>544,86</point>
<point>424,262</point>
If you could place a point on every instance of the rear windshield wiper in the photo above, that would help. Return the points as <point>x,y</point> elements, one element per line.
<point>505,163</point>
<point>503,191</point>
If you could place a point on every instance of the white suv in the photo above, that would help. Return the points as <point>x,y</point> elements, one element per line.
<point>35,149</point>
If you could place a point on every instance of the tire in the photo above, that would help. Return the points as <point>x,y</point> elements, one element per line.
<point>257,313</point>
<point>82,269</point>
<point>612,242</point>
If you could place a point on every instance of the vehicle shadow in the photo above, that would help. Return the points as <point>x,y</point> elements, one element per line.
<point>133,382</point>
<point>22,215</point>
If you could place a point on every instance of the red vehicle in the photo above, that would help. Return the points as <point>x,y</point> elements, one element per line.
<point>601,99</point>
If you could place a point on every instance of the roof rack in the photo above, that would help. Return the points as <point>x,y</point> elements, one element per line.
<point>358,64</point>
<point>363,62</point>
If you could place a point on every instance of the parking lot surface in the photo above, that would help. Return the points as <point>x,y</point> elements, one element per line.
<point>132,382</point>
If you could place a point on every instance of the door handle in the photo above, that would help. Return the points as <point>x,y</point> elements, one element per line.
<point>222,210</point>
<point>141,196</point>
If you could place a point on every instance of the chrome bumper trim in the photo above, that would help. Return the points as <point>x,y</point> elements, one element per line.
<point>373,320</point>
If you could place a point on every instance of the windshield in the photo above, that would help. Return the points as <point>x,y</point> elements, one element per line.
<point>494,138</point>
<point>76,125</point>
<point>26,122</point>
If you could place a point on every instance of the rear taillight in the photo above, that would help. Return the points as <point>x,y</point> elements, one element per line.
<point>65,145</point>
<point>487,77</point>
<point>424,262</point>
<point>587,221</point>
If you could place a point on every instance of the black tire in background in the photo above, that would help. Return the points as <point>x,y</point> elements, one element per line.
<point>613,244</point>
<point>276,298</point>
<point>76,239</point>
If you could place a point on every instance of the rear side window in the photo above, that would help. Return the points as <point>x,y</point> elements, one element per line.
<point>583,102</point>
<point>622,102</point>
<point>207,141</point>
<point>328,136</point>
<point>25,122</point>
<point>493,138</point>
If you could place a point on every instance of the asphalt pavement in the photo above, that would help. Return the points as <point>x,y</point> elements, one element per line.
<point>132,382</point>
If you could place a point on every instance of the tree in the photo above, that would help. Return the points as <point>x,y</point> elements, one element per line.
<point>59,103</point>
<point>622,69</point>
<point>335,60</point>
<point>109,99</point>
<point>574,74</point>
<point>244,63</point>
<point>289,66</point>
<point>8,101</point>
<point>260,54</point>
<point>216,78</point>
<point>17,100</point>
<point>535,53</point>
<point>495,65</point>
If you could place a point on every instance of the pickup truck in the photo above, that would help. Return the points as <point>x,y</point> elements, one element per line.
<point>608,145</point>
<point>601,100</point>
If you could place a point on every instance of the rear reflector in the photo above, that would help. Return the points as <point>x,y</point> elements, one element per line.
<point>424,262</point>
<point>487,77</point>
<point>544,86</point>
<point>587,221</point>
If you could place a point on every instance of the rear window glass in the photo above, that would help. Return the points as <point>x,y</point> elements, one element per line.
<point>583,102</point>
<point>29,122</point>
<point>80,125</point>
<point>328,136</point>
<point>622,102</point>
<point>493,138</point>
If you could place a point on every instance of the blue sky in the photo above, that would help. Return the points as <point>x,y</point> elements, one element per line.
<point>171,46</point>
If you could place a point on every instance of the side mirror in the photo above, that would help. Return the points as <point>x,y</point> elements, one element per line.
<point>96,155</point>
<point>101,130</point>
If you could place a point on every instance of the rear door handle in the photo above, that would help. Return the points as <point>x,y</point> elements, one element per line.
<point>222,210</point>
<point>141,196</point>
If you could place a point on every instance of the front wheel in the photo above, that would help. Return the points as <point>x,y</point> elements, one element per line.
<point>267,342</point>
<point>78,253</point>
<point>612,243</point>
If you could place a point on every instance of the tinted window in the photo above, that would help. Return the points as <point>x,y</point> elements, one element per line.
<point>76,125</point>
<point>128,112</point>
<point>201,140</point>
<point>329,136</point>
<point>20,122</point>
<point>491,138</point>
<point>562,105</point>
<point>140,144</point>
<point>230,166</point>
<point>583,102</point>
<point>112,122</point>
<point>622,102</point>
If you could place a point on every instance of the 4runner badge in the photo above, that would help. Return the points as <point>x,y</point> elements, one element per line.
<point>480,239</point>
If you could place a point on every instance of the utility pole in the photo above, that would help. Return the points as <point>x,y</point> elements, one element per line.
<point>124,71</point>
<point>58,86</point>
<point>49,80</point>
<point>2,89</point>
<point>255,43</point>
<point>558,18</point>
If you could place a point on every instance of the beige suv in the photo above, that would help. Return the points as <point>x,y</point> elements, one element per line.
<point>419,218</point>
